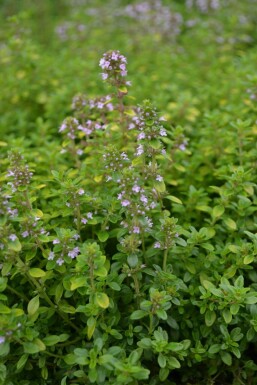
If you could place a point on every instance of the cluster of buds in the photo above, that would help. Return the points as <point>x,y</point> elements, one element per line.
<point>203,5</point>
<point>90,126</point>
<point>154,17</point>
<point>148,122</point>
<point>115,160</point>
<point>5,205</point>
<point>252,92</point>
<point>19,171</point>
<point>169,233</point>
<point>70,31</point>
<point>103,103</point>
<point>64,248</point>
<point>79,101</point>
<point>70,127</point>
<point>114,68</point>
<point>151,130</point>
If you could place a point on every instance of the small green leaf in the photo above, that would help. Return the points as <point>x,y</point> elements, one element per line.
<point>173,363</point>
<point>36,272</point>
<point>138,314</point>
<point>123,90</point>
<point>22,361</point>
<point>248,259</point>
<point>217,211</point>
<point>103,236</point>
<point>230,224</point>
<point>234,309</point>
<point>100,272</point>
<point>250,300</point>
<point>33,305</point>
<point>234,249</point>
<point>14,245</point>
<point>32,347</point>
<point>77,282</point>
<point>3,283</point>
<point>66,308</point>
<point>227,315</point>
<point>114,286</point>
<point>4,309</point>
<point>161,314</point>
<point>102,300</point>
<point>51,340</point>
<point>208,285</point>
<point>132,260</point>
<point>160,187</point>
<point>226,358</point>
<point>161,360</point>
<point>91,324</point>
<point>210,317</point>
<point>174,199</point>
<point>163,374</point>
<point>215,348</point>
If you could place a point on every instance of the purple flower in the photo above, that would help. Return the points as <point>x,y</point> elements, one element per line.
<point>12,237</point>
<point>89,215</point>
<point>81,191</point>
<point>157,245</point>
<point>159,178</point>
<point>25,234</point>
<point>136,188</point>
<point>125,203</point>
<point>143,198</point>
<point>56,241</point>
<point>182,146</point>
<point>136,230</point>
<point>163,132</point>
<point>140,150</point>
<point>60,261</point>
<point>73,253</point>
<point>141,136</point>
<point>84,221</point>
<point>51,256</point>
<point>2,339</point>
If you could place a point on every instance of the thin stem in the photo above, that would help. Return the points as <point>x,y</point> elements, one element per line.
<point>41,291</point>
<point>68,342</point>
<point>17,293</point>
<point>28,204</point>
<point>165,256</point>
<point>51,354</point>
<point>151,323</point>
<point>137,289</point>
<point>91,271</point>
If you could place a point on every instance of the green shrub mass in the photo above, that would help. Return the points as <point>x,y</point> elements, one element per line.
<point>128,227</point>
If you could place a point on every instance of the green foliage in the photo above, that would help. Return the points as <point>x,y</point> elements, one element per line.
<point>128,243</point>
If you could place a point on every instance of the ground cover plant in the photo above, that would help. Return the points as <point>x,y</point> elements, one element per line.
<point>128,241</point>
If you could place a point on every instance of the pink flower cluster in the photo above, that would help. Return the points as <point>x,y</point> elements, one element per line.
<point>114,68</point>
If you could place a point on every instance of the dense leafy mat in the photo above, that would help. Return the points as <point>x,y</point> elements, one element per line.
<point>128,202</point>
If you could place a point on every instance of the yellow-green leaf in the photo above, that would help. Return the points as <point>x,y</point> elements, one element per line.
<point>217,211</point>
<point>33,305</point>
<point>248,259</point>
<point>102,300</point>
<point>14,245</point>
<point>78,282</point>
<point>230,224</point>
<point>4,309</point>
<point>36,272</point>
<point>91,324</point>
<point>174,199</point>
